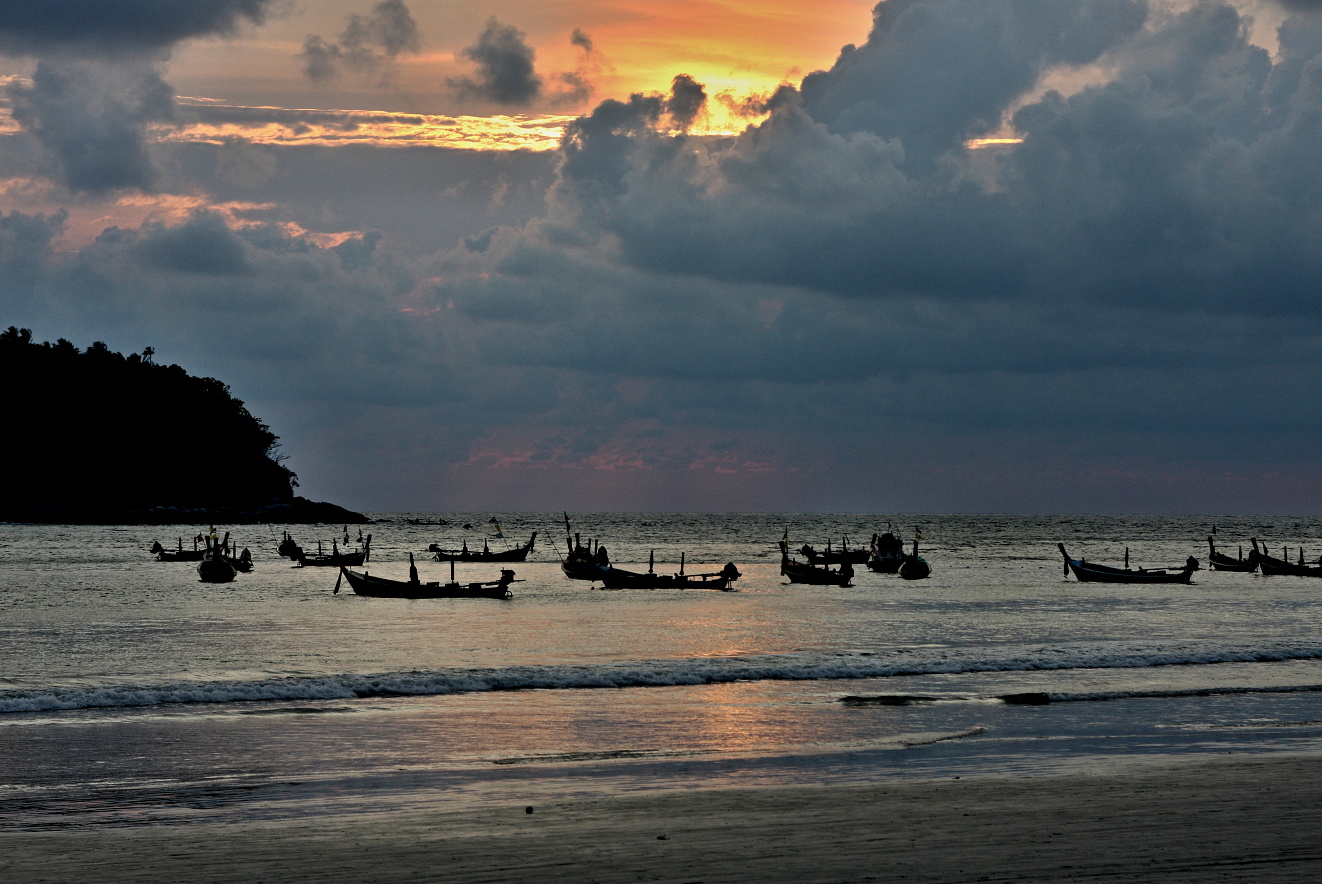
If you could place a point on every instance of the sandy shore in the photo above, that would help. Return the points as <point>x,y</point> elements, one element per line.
<point>1236,820</point>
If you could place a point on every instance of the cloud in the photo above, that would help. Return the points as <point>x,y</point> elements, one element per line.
<point>505,74</point>
<point>686,102</point>
<point>97,87</point>
<point>581,39</point>
<point>840,307</point>
<point>1155,224</point>
<point>93,118</point>
<point>203,245</point>
<point>941,71</point>
<point>83,28</point>
<point>370,44</point>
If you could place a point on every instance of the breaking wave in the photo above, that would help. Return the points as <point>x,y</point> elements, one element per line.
<point>651,673</point>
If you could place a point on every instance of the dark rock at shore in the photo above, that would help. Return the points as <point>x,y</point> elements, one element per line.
<point>297,511</point>
<point>102,438</point>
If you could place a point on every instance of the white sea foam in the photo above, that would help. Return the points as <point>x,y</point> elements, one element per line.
<point>652,673</point>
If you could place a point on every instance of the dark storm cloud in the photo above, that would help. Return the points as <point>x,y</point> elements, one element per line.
<point>25,249</point>
<point>687,100</point>
<point>1183,179</point>
<point>936,72</point>
<point>93,118</point>
<point>1087,303</point>
<point>96,27</point>
<point>600,146</point>
<point>505,73</point>
<point>1159,223</point>
<point>369,44</point>
<point>203,245</point>
<point>97,88</point>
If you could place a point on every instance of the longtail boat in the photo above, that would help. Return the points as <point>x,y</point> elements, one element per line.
<point>215,566</point>
<point>1222,562</point>
<point>831,556</point>
<point>486,554</point>
<point>914,566</point>
<point>413,588</point>
<point>583,562</point>
<point>1283,567</point>
<point>335,558</point>
<point>179,554</point>
<point>886,554</point>
<point>802,572</point>
<point>618,578</point>
<point>1088,572</point>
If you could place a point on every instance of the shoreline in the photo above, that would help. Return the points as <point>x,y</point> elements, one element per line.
<point>1251,819</point>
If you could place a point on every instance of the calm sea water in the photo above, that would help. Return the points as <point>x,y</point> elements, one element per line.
<point>132,693</point>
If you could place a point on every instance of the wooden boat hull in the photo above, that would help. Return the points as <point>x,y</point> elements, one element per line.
<point>576,570</point>
<point>618,578</point>
<point>1274,567</point>
<point>1086,572</point>
<point>181,555</point>
<point>915,568</point>
<point>812,576</point>
<point>1221,562</point>
<point>518,554</point>
<point>215,570</point>
<point>379,587</point>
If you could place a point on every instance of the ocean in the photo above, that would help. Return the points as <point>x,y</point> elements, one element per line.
<point>133,694</point>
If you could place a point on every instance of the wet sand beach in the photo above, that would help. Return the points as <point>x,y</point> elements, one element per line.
<point>1236,819</point>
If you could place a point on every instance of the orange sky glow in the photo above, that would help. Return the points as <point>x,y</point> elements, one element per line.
<point>731,46</point>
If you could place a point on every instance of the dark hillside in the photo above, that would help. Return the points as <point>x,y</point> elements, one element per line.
<point>93,435</point>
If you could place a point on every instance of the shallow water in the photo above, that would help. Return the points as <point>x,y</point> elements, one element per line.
<point>131,693</point>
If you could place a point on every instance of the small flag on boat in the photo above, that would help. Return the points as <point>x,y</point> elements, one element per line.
<point>498,533</point>
<point>917,534</point>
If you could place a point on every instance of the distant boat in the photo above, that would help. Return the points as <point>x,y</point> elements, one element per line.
<point>590,562</point>
<point>618,578</point>
<point>1087,572</point>
<point>914,566</point>
<point>1283,567</point>
<point>179,554</point>
<point>215,567</point>
<point>518,554</point>
<point>334,558</point>
<point>829,556</point>
<point>815,575</point>
<point>413,588</point>
<point>242,562</point>
<point>886,554</point>
<point>1222,562</point>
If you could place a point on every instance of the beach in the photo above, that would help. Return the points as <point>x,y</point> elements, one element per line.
<point>1192,820</point>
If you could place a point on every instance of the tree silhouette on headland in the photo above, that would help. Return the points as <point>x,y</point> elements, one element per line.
<point>94,431</point>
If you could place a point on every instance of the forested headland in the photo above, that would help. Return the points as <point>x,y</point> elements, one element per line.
<point>96,436</point>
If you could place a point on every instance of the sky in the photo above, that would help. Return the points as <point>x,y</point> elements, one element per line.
<point>710,255</point>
